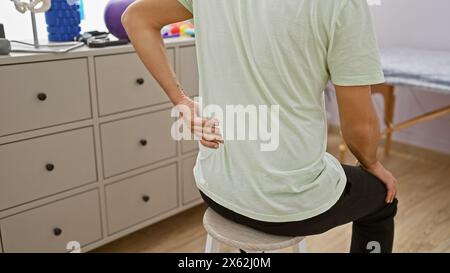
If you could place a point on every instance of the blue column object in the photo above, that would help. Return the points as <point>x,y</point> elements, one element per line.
<point>81,10</point>
<point>63,20</point>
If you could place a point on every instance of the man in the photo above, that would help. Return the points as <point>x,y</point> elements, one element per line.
<point>282,53</point>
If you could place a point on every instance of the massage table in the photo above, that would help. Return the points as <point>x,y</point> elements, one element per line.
<point>427,70</point>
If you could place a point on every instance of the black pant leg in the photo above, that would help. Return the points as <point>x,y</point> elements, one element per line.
<point>362,203</point>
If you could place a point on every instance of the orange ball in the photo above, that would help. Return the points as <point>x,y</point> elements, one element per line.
<point>183,29</point>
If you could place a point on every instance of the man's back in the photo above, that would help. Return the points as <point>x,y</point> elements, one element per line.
<point>263,66</point>
<point>265,54</point>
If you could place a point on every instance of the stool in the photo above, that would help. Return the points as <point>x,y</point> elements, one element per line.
<point>246,239</point>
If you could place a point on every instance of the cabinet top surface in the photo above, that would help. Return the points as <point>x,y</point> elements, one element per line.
<point>16,58</point>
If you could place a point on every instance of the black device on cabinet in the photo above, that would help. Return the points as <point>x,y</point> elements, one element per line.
<point>5,45</point>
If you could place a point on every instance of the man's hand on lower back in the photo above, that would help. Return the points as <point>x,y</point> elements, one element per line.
<point>207,130</point>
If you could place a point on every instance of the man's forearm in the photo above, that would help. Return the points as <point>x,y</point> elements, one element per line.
<point>359,122</point>
<point>146,39</point>
<point>362,140</point>
<point>361,131</point>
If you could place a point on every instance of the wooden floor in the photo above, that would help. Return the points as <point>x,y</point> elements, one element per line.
<point>422,223</point>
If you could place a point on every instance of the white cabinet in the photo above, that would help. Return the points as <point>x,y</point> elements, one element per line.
<point>137,141</point>
<point>141,197</point>
<point>36,95</point>
<point>51,227</point>
<point>86,152</point>
<point>35,168</point>
<point>123,83</point>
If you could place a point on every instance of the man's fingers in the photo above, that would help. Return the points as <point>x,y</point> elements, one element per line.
<point>211,129</point>
<point>211,122</point>
<point>213,138</point>
<point>208,137</point>
<point>394,195</point>
<point>207,131</point>
<point>209,144</point>
<point>388,197</point>
<point>392,188</point>
<point>391,193</point>
<point>386,178</point>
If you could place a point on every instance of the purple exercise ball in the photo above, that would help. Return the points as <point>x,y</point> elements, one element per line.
<point>113,13</point>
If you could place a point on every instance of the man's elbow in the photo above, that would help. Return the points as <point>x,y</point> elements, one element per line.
<point>129,17</point>
<point>139,15</point>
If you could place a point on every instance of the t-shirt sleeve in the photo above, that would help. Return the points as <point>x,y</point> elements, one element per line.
<point>353,55</point>
<point>187,4</point>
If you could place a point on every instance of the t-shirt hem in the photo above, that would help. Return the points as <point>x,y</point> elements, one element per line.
<point>277,218</point>
<point>358,81</point>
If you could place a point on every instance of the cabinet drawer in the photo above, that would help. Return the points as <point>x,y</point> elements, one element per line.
<point>123,83</point>
<point>189,70</point>
<point>44,94</point>
<point>39,167</point>
<point>49,228</point>
<point>141,197</point>
<point>189,146</point>
<point>138,141</point>
<point>190,191</point>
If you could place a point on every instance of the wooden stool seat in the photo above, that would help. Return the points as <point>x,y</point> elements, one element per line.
<point>243,237</point>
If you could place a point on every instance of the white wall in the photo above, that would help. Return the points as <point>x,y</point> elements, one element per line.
<point>417,24</point>
<point>18,26</point>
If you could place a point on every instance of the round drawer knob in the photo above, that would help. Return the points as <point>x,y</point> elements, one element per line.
<point>140,81</point>
<point>57,231</point>
<point>49,167</point>
<point>143,142</point>
<point>146,198</point>
<point>42,96</point>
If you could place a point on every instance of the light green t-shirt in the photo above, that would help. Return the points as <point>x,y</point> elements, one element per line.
<point>279,52</point>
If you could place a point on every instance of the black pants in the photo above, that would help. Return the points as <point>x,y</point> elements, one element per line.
<point>361,203</point>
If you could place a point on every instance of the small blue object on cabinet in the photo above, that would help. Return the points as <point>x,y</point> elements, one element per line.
<point>63,20</point>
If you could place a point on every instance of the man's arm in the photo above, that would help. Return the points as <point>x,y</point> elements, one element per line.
<point>143,21</point>
<point>361,131</point>
<point>359,122</point>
